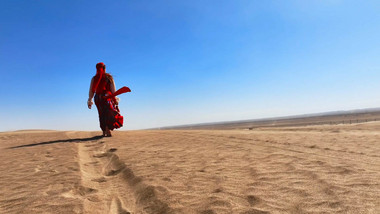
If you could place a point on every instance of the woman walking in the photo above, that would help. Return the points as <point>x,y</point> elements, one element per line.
<point>103,85</point>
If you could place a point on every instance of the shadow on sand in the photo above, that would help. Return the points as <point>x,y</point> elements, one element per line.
<point>59,141</point>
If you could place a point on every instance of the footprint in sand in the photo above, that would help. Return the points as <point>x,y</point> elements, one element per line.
<point>99,180</point>
<point>101,155</point>
<point>255,211</point>
<point>93,198</point>
<point>112,150</point>
<point>116,207</point>
<point>92,163</point>
<point>218,190</point>
<point>81,190</point>
<point>253,200</point>
<point>113,167</point>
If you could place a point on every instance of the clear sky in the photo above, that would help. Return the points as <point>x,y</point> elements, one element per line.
<point>186,61</point>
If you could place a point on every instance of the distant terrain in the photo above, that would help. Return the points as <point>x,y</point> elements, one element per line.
<point>326,118</point>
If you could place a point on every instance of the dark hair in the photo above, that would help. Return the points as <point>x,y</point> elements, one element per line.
<point>109,77</point>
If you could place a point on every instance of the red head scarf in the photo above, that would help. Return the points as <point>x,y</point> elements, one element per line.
<point>100,65</point>
<point>100,70</point>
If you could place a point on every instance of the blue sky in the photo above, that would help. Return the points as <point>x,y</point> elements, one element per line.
<point>186,61</point>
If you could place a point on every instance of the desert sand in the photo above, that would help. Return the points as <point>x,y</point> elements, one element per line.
<point>307,169</point>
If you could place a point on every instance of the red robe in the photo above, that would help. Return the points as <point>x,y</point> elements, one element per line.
<point>109,114</point>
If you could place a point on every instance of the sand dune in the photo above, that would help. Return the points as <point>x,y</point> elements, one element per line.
<point>311,169</point>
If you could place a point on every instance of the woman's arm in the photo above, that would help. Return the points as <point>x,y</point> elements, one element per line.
<point>112,86</point>
<point>90,94</point>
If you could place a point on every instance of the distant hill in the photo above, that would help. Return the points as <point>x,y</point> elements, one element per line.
<point>333,117</point>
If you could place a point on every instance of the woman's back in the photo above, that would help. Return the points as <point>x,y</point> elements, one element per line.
<point>104,84</point>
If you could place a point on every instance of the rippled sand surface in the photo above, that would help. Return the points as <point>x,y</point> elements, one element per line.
<point>315,169</point>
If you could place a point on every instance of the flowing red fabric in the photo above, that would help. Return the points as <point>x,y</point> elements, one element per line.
<point>109,114</point>
<point>122,90</point>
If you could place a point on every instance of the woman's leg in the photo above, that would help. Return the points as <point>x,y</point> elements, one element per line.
<point>108,132</point>
<point>100,105</point>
